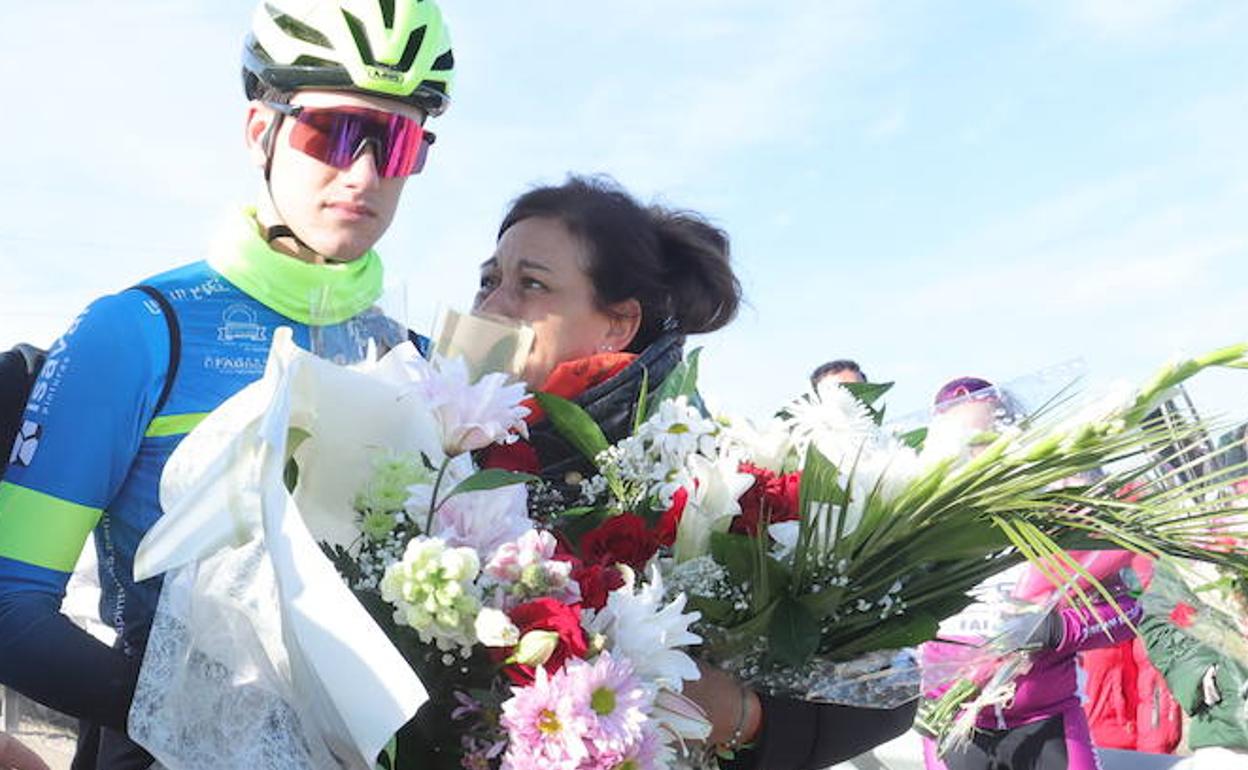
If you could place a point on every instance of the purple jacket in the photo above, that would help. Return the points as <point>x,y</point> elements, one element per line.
<point>1050,686</point>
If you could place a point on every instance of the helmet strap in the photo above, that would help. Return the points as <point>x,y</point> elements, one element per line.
<point>282,230</point>
<point>269,143</point>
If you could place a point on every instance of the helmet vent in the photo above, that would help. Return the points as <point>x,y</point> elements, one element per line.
<point>444,62</point>
<point>413,47</point>
<point>436,86</point>
<point>297,29</point>
<point>387,13</point>
<point>313,61</point>
<point>361,39</point>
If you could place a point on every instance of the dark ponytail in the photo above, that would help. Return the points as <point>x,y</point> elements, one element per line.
<point>674,263</point>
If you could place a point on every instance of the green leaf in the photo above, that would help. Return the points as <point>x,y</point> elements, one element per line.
<point>643,395</point>
<point>683,381</point>
<point>290,474</point>
<point>822,604</point>
<point>962,543</point>
<point>794,633</point>
<point>388,755</point>
<point>736,553</point>
<point>868,392</point>
<point>490,478</point>
<point>574,424</point>
<point>714,611</point>
<point>819,485</point>
<point>902,631</point>
<point>914,438</point>
<point>574,528</point>
<point>573,513</point>
<point>295,437</point>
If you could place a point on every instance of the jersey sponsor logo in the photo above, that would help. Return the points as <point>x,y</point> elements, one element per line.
<point>43,393</point>
<point>235,364</point>
<point>239,322</point>
<point>26,443</point>
<point>204,290</point>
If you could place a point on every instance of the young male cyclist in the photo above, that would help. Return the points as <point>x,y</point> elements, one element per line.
<point>339,90</point>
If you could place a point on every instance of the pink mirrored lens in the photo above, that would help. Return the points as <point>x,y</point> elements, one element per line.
<point>334,136</point>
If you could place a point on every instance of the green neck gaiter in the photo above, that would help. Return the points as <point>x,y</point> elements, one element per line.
<point>316,295</point>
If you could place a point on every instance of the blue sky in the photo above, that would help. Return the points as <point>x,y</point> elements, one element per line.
<point>932,188</point>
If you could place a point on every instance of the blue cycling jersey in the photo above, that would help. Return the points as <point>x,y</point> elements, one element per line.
<point>91,450</point>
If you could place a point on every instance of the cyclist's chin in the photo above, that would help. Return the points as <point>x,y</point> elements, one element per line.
<point>344,244</point>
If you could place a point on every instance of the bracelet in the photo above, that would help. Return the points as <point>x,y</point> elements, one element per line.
<point>734,742</point>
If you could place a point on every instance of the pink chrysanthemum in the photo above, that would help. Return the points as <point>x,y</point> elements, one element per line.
<point>586,716</point>
<point>618,702</point>
<point>649,753</point>
<point>545,722</point>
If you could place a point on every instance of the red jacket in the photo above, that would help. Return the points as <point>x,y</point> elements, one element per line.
<point>1128,704</point>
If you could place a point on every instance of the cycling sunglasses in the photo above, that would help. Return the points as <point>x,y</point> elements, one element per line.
<point>338,135</point>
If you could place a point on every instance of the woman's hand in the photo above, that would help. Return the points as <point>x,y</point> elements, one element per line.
<point>15,756</point>
<point>725,701</point>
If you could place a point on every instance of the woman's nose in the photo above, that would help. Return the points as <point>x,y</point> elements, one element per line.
<point>496,302</point>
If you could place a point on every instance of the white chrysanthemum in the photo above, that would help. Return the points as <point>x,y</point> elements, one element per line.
<point>885,469</point>
<point>641,629</point>
<point>471,415</point>
<point>769,446</point>
<point>713,503</point>
<point>835,422</point>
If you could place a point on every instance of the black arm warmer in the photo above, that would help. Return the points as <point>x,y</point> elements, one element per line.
<point>798,735</point>
<point>47,658</point>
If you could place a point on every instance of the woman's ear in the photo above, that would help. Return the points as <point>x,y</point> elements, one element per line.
<point>260,123</point>
<point>625,321</point>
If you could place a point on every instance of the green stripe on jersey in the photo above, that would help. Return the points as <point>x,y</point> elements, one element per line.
<point>41,529</point>
<point>174,424</point>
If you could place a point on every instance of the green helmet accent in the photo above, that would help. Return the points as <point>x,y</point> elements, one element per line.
<point>399,49</point>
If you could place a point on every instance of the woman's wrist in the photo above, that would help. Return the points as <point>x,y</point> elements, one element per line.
<point>749,722</point>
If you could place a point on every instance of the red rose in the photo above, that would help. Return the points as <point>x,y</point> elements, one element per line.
<point>518,456</point>
<point>669,522</point>
<point>1183,614</point>
<point>622,539</point>
<point>548,614</point>
<point>775,496</point>
<point>596,581</point>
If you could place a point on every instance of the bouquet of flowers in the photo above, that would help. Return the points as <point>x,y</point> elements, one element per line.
<point>335,562</point>
<point>539,655</point>
<point>818,547</point>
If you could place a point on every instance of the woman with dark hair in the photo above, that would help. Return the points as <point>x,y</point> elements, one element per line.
<point>611,289</point>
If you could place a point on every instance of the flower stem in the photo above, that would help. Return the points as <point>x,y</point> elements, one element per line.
<point>434,505</point>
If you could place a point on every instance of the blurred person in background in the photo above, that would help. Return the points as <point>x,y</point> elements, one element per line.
<point>1043,726</point>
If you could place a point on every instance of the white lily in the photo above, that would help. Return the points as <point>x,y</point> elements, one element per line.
<point>713,503</point>
<point>472,415</point>
<point>679,716</point>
